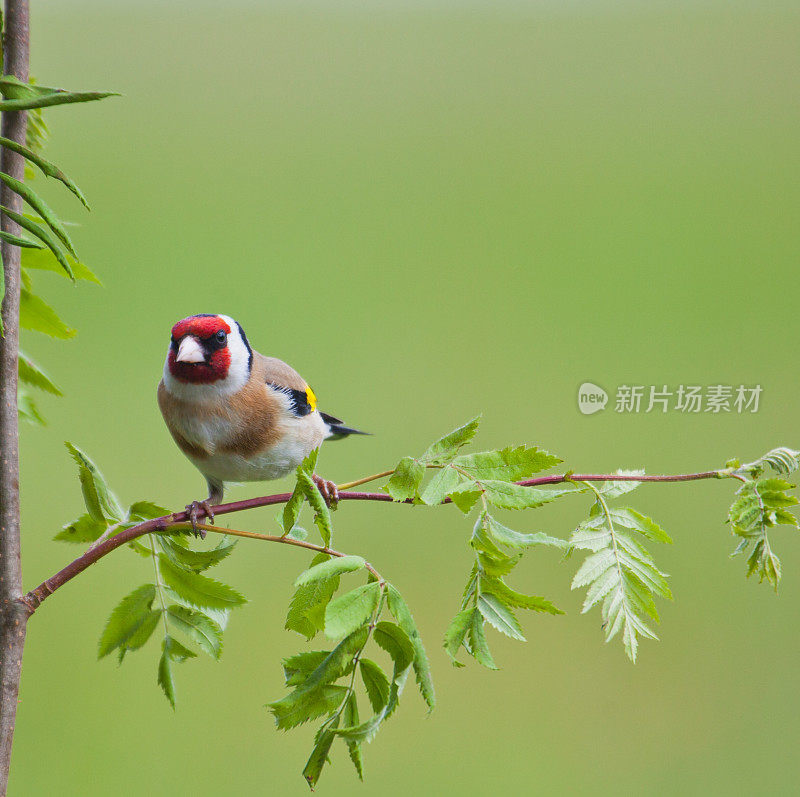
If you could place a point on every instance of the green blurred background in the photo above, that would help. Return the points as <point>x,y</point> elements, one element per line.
<point>431,210</point>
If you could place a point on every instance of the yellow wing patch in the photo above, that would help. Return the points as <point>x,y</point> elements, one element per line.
<point>312,399</point>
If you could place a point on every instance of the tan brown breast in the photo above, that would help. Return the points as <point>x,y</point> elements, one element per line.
<point>254,413</point>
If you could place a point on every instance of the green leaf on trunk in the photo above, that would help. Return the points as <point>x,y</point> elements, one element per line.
<point>42,208</point>
<point>47,167</point>
<point>31,374</point>
<point>36,314</point>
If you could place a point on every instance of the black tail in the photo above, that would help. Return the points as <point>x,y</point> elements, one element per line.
<point>337,430</point>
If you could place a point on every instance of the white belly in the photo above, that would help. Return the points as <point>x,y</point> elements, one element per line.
<point>300,436</point>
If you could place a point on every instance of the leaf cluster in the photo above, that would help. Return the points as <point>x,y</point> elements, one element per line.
<point>486,479</point>
<point>306,491</point>
<point>325,683</point>
<point>191,608</point>
<point>761,504</point>
<point>45,242</point>
<point>465,479</point>
<point>619,573</point>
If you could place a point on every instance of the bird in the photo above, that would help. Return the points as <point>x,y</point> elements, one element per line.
<point>238,415</point>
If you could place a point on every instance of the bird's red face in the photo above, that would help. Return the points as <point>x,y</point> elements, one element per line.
<point>198,351</point>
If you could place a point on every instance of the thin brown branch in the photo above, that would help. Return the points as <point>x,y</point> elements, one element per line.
<point>180,519</point>
<point>252,535</point>
<point>13,615</point>
<point>364,480</point>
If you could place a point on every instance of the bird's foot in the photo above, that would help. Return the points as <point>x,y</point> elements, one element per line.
<point>197,510</point>
<point>329,490</point>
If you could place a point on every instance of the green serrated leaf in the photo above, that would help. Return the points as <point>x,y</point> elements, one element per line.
<point>22,243</point>
<point>329,568</point>
<point>375,682</point>
<point>47,167</point>
<point>200,628</point>
<point>179,652</point>
<point>422,668</point>
<point>165,678</point>
<point>350,719</point>
<point>313,696</point>
<point>456,631</point>
<point>142,634</point>
<point>593,567</point>
<point>478,646</point>
<point>497,565</point>
<point>198,590</point>
<point>350,611</point>
<point>46,260</point>
<point>146,510</point>
<point>443,483</point>
<point>498,587</point>
<point>99,500</point>
<point>84,529</point>
<point>631,519</point>
<point>197,561</point>
<point>322,513</point>
<point>307,608</point>
<point>507,495</point>
<point>298,667</point>
<point>172,651</point>
<point>125,620</point>
<point>31,374</point>
<point>41,207</point>
<point>291,510</point>
<point>319,756</point>
<point>508,464</point>
<point>503,535</point>
<point>43,234</point>
<point>620,574</point>
<point>496,613</point>
<point>465,498</point>
<point>406,479</point>
<point>21,96</point>
<point>445,448</point>
<point>36,314</point>
<point>27,409</point>
<point>395,642</point>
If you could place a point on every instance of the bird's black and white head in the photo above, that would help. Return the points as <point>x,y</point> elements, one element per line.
<point>208,356</point>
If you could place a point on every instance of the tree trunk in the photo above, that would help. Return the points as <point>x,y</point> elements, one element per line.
<point>13,613</point>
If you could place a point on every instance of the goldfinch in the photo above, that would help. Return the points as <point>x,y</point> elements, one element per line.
<point>236,414</point>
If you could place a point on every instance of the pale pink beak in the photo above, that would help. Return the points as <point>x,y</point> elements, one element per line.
<point>190,351</point>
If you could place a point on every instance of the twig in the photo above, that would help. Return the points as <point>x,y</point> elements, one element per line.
<point>34,598</point>
<point>271,538</point>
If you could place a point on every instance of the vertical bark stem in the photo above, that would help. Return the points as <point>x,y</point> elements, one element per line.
<point>13,614</point>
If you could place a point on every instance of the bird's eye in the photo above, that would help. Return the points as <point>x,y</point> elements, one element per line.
<point>221,336</point>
